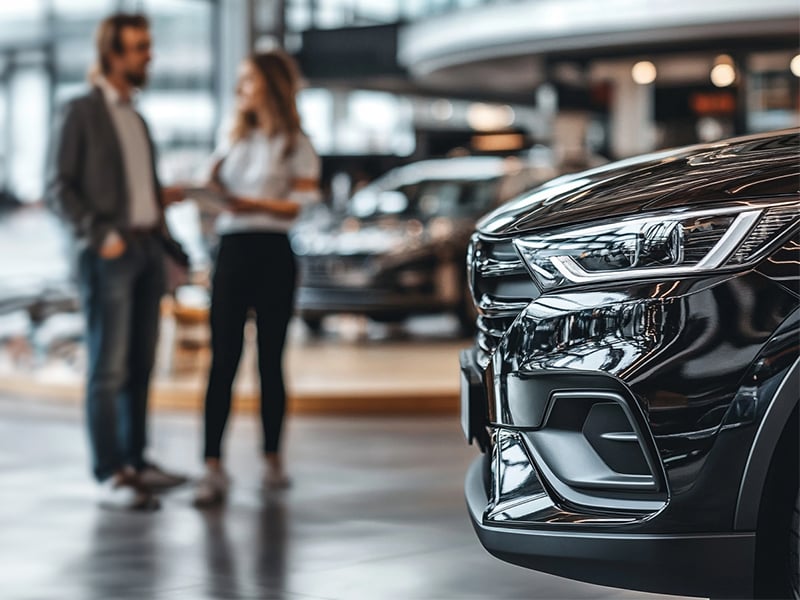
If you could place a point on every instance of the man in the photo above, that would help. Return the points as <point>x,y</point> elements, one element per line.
<point>102,179</point>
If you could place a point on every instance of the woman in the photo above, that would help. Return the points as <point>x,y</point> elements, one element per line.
<point>266,173</point>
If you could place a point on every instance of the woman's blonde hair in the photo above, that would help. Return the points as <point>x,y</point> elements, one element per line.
<point>281,79</point>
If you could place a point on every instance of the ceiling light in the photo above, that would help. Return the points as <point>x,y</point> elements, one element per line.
<point>644,72</point>
<point>723,75</point>
<point>795,66</point>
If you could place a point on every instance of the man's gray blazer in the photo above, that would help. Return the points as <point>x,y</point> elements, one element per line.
<point>86,177</point>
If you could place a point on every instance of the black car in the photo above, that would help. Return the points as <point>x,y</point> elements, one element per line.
<point>635,380</point>
<point>399,247</point>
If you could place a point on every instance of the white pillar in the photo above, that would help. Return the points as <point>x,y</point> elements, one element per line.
<point>632,117</point>
<point>632,125</point>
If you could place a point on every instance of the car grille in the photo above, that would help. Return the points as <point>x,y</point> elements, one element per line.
<point>501,288</point>
<point>329,270</point>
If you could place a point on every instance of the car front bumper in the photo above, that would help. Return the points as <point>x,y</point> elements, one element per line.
<point>708,564</point>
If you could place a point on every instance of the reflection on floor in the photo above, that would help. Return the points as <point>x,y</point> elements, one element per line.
<point>375,512</point>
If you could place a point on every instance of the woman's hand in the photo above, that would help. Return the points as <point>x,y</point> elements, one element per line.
<point>281,209</point>
<point>239,204</point>
<point>172,195</point>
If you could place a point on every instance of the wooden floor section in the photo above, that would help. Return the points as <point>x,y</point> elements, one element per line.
<point>351,371</point>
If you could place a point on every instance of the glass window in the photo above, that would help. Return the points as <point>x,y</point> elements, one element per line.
<point>70,9</point>
<point>377,11</point>
<point>29,128</point>
<point>316,110</point>
<point>360,122</point>
<point>328,14</point>
<point>413,9</point>
<point>179,101</point>
<point>298,16</point>
<point>22,22</point>
<point>182,124</point>
<point>182,41</point>
<point>22,12</point>
<point>4,184</point>
<point>333,13</point>
<point>376,123</point>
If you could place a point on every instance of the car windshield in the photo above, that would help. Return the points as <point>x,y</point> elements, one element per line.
<point>426,199</point>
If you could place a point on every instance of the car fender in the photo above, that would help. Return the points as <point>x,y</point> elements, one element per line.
<point>763,449</point>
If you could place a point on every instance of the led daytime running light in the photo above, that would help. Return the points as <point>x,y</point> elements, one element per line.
<point>655,246</point>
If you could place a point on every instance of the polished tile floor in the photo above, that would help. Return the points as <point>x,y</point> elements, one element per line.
<point>376,512</point>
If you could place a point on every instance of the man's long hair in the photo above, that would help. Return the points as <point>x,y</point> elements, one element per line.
<point>108,39</point>
<point>278,115</point>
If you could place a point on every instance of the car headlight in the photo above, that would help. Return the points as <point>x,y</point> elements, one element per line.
<point>660,245</point>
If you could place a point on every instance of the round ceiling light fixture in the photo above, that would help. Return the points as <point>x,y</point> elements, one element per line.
<point>723,73</point>
<point>795,65</point>
<point>644,72</point>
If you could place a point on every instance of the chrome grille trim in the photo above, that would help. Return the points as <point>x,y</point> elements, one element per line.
<point>491,267</point>
<point>501,288</point>
<point>490,306</point>
<point>491,331</point>
<point>495,326</point>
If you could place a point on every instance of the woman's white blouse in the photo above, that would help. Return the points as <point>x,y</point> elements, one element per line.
<point>255,167</point>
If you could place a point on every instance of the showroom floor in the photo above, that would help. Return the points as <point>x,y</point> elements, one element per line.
<point>376,511</point>
<point>355,366</point>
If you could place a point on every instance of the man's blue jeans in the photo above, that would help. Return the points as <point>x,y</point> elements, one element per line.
<point>121,300</point>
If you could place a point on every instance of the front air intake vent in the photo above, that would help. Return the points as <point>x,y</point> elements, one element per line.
<point>609,431</point>
<point>593,451</point>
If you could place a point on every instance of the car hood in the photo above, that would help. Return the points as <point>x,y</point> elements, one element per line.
<point>758,166</point>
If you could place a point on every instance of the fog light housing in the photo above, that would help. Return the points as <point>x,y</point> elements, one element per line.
<point>587,437</point>
<point>590,440</point>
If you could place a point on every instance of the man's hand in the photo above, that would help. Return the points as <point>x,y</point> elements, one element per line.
<point>113,246</point>
<point>172,194</point>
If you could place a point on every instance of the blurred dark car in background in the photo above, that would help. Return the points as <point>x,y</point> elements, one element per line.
<point>398,249</point>
<point>635,380</point>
